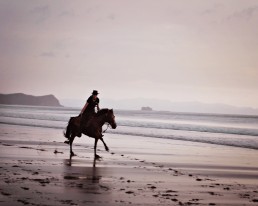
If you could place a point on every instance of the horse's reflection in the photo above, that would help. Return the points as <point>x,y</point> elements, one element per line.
<point>96,158</point>
<point>84,176</point>
<point>92,173</point>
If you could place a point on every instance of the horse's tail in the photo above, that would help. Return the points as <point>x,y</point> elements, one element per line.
<point>68,131</point>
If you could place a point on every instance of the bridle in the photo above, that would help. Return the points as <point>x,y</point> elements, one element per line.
<point>108,126</point>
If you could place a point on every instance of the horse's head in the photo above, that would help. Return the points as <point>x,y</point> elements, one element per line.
<point>111,118</point>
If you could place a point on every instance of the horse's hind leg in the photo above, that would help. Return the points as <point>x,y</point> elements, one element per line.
<point>71,145</point>
<point>95,149</point>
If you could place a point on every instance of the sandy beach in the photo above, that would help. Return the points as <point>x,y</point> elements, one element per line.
<point>36,170</point>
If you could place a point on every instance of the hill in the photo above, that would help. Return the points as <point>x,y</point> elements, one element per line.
<point>24,99</point>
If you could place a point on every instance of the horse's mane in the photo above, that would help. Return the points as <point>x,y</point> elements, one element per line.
<point>102,111</point>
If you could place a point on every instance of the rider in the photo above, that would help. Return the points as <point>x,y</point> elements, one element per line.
<point>89,108</point>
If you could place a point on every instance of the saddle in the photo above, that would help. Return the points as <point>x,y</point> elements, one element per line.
<point>84,122</point>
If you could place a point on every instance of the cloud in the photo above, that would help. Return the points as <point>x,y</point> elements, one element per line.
<point>111,17</point>
<point>66,14</point>
<point>213,10</point>
<point>41,13</point>
<point>48,54</point>
<point>247,13</point>
<point>208,11</point>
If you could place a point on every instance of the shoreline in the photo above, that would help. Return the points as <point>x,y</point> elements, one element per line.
<point>36,170</point>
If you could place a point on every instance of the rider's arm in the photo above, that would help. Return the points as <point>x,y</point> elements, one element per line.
<point>85,106</point>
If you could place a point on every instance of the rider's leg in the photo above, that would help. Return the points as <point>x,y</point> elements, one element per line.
<point>82,122</point>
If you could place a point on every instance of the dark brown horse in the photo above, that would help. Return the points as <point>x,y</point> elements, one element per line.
<point>92,129</point>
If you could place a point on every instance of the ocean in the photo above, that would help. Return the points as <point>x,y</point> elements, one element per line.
<point>229,130</point>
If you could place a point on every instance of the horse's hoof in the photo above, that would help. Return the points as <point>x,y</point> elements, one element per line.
<point>97,157</point>
<point>107,149</point>
<point>72,154</point>
<point>67,142</point>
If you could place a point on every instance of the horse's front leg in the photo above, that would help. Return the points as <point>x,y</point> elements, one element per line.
<point>106,147</point>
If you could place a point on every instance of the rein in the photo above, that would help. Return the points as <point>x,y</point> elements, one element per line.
<point>108,126</point>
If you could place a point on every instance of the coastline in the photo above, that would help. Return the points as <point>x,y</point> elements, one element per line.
<point>36,170</point>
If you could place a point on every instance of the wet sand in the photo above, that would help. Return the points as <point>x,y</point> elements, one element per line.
<point>36,170</point>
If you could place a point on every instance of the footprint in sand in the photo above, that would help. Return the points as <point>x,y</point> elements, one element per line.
<point>129,192</point>
<point>23,202</point>
<point>171,191</point>
<point>166,195</point>
<point>8,145</point>
<point>35,173</point>
<point>25,188</point>
<point>26,147</point>
<point>56,152</point>
<point>5,194</point>
<point>255,200</point>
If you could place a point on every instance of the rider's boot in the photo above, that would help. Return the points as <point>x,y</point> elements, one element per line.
<point>80,132</point>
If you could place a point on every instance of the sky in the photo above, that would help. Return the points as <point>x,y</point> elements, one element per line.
<point>178,50</point>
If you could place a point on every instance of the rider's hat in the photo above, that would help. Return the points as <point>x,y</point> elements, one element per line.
<point>95,92</point>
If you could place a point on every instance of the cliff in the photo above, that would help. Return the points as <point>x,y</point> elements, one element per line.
<point>24,99</point>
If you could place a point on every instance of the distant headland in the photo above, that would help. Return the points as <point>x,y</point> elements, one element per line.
<point>25,99</point>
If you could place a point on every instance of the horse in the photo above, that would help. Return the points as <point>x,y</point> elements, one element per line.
<point>93,128</point>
